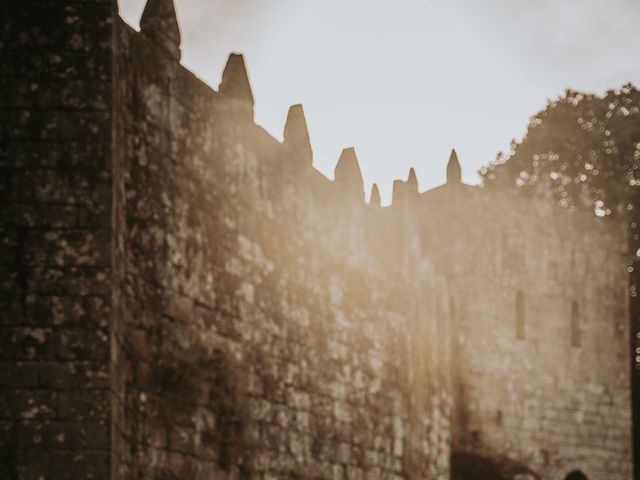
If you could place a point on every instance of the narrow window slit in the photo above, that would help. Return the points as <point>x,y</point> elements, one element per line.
<point>520,315</point>
<point>575,325</point>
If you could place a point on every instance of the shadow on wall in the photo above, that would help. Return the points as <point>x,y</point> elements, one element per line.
<point>469,466</point>
<point>576,475</point>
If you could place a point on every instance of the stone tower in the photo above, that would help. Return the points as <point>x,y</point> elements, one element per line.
<point>185,297</point>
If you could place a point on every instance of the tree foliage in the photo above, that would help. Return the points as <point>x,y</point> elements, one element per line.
<point>583,149</point>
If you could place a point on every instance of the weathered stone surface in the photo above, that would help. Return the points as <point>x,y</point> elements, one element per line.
<point>160,24</point>
<point>218,268</point>
<point>55,165</point>
<point>541,398</point>
<point>182,296</point>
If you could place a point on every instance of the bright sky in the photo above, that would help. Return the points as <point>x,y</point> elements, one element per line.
<point>404,81</point>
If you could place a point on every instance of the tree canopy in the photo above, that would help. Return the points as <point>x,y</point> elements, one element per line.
<point>583,149</point>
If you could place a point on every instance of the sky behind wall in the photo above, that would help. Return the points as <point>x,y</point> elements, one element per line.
<point>405,81</point>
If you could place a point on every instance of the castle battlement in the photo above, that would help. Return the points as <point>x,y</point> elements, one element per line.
<point>185,297</point>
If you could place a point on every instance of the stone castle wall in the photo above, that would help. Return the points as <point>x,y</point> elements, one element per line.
<point>55,224</point>
<point>552,393</point>
<point>258,335</point>
<point>184,297</point>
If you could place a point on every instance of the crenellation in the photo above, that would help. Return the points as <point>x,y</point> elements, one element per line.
<point>347,173</point>
<point>160,23</point>
<point>374,198</point>
<point>186,297</point>
<point>235,83</point>
<point>296,135</point>
<point>454,171</point>
<point>412,180</point>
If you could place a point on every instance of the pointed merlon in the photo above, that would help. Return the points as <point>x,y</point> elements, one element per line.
<point>398,192</point>
<point>412,180</point>
<point>296,133</point>
<point>454,172</point>
<point>160,24</point>
<point>347,171</point>
<point>235,80</point>
<point>295,129</point>
<point>374,200</point>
